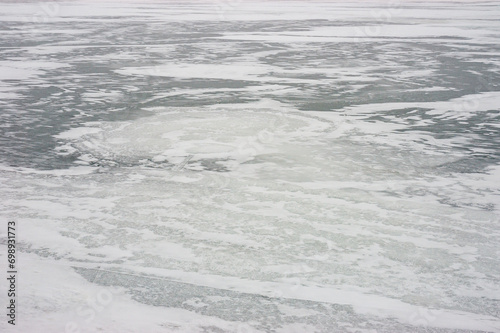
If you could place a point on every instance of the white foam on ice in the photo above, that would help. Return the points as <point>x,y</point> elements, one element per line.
<point>78,132</point>
<point>242,71</point>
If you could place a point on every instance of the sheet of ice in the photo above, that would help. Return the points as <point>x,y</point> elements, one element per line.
<point>329,221</point>
<point>252,167</point>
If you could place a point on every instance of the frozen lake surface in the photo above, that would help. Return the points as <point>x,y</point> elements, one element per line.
<point>252,167</point>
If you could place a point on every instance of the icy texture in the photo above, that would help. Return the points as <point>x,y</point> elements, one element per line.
<point>233,167</point>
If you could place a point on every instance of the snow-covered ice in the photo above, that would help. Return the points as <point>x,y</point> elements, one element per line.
<point>252,167</point>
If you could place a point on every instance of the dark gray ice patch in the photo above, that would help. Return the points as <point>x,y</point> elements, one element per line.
<point>268,313</point>
<point>470,164</point>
